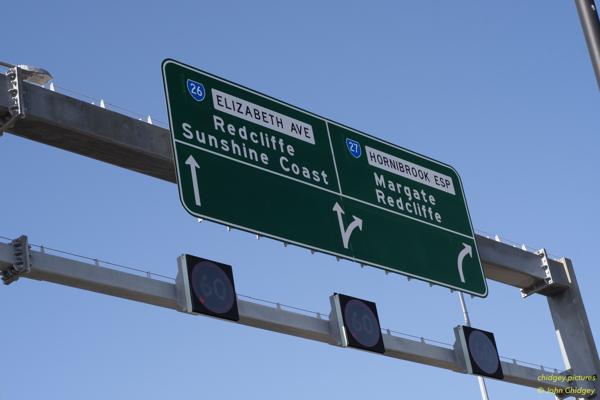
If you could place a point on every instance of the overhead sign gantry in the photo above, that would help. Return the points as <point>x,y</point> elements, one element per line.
<point>82,128</point>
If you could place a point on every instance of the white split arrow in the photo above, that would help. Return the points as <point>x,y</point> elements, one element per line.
<point>356,223</point>
<point>461,256</point>
<point>191,161</point>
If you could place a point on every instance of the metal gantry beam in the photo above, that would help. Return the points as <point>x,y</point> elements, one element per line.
<point>69,272</point>
<point>573,330</point>
<point>70,124</point>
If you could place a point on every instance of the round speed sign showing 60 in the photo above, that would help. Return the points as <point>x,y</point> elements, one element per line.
<point>362,323</point>
<point>212,287</point>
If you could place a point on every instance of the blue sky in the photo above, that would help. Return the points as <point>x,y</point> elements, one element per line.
<point>502,91</point>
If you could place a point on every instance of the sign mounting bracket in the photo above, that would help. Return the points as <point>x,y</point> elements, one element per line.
<point>548,286</point>
<point>22,264</point>
<point>14,85</point>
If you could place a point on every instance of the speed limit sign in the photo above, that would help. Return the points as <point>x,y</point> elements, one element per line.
<point>207,287</point>
<point>358,323</point>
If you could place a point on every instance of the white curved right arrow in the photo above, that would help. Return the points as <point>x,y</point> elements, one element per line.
<point>461,256</point>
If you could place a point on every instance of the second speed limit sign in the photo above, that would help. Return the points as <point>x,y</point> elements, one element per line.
<point>207,287</point>
<point>358,322</point>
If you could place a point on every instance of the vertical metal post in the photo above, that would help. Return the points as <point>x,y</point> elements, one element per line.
<point>573,332</point>
<point>591,29</point>
<point>463,305</point>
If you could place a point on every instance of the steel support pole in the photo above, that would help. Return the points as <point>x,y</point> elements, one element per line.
<point>463,305</point>
<point>573,332</point>
<point>588,16</point>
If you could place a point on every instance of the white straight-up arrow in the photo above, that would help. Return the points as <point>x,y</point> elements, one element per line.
<point>461,256</point>
<point>191,161</point>
<point>356,223</point>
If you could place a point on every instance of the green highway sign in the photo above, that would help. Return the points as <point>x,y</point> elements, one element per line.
<point>252,162</point>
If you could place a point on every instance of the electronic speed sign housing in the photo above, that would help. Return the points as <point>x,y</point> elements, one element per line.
<point>206,287</point>
<point>480,352</point>
<point>356,323</point>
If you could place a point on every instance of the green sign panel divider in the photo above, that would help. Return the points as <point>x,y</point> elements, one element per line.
<point>252,162</point>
